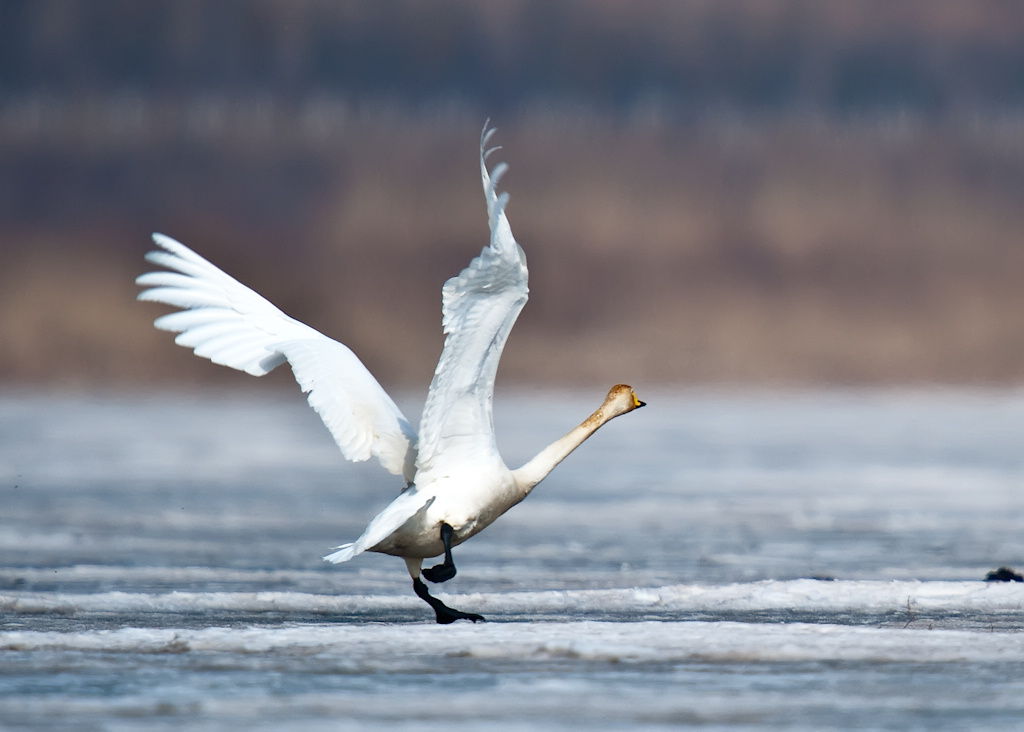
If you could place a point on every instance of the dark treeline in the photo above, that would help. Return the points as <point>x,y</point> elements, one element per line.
<point>936,57</point>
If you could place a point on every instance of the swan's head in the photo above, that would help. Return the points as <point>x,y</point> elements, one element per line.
<point>620,399</point>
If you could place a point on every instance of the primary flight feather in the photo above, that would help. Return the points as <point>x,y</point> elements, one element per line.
<point>457,483</point>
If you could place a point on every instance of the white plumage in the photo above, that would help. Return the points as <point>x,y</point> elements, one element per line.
<point>457,481</point>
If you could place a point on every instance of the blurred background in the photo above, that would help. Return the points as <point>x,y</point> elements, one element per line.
<point>773,192</point>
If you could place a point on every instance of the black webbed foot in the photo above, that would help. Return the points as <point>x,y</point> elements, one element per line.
<point>440,572</point>
<point>446,570</point>
<point>445,614</point>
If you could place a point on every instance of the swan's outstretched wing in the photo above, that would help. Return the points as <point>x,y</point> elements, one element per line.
<point>480,306</point>
<point>226,322</point>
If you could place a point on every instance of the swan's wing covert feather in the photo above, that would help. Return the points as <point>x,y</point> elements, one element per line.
<point>384,524</point>
<point>230,324</point>
<point>480,306</point>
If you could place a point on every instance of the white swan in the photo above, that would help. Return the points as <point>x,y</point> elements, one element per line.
<point>457,481</point>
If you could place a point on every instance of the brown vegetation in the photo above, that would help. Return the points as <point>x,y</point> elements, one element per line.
<point>789,252</point>
<point>779,192</point>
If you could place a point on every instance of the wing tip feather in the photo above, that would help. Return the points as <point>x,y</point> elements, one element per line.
<point>342,554</point>
<point>486,133</point>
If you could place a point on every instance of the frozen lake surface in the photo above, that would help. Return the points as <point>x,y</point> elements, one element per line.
<point>716,560</point>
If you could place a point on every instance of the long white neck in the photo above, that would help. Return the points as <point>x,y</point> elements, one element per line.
<point>538,468</point>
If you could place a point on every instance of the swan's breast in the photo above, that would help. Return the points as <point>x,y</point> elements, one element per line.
<point>468,502</point>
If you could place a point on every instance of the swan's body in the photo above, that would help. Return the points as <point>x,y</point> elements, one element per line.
<point>457,481</point>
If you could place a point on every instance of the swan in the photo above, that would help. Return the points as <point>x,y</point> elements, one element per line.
<point>456,481</point>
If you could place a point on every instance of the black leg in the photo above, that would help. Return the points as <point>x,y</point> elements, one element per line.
<point>444,613</point>
<point>446,570</point>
